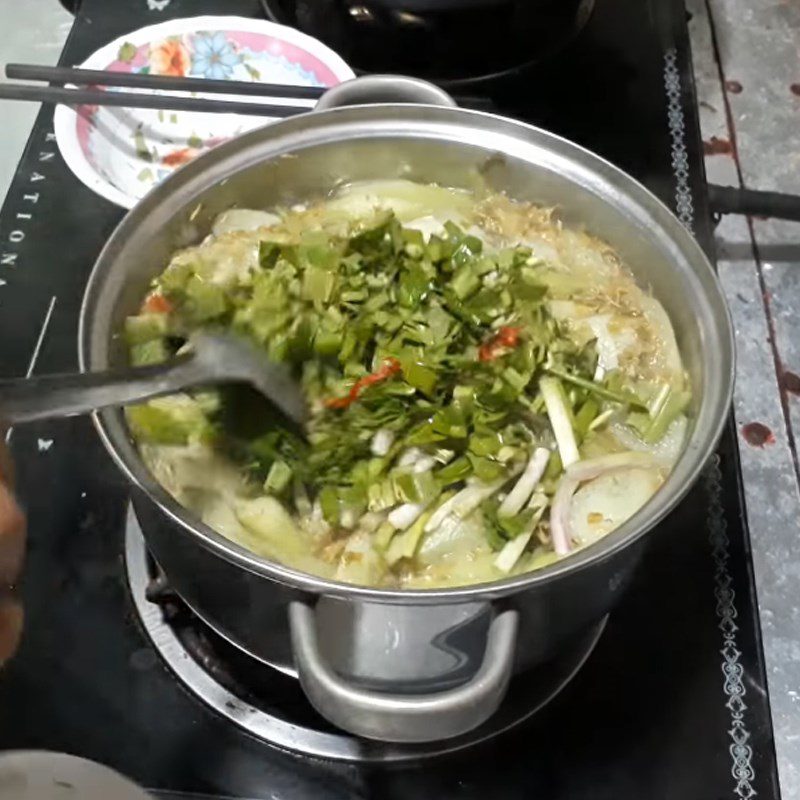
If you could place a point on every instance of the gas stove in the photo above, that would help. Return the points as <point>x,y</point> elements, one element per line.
<point>460,43</point>
<point>667,698</point>
<point>270,705</point>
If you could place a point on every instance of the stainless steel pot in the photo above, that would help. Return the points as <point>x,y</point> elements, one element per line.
<point>405,666</point>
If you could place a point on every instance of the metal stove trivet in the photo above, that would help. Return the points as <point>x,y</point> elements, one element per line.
<point>366,35</point>
<point>197,668</point>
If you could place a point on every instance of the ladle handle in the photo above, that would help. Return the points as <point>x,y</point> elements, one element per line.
<point>45,396</point>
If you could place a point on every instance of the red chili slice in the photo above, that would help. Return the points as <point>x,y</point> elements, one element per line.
<point>506,337</point>
<point>157,304</point>
<point>391,366</point>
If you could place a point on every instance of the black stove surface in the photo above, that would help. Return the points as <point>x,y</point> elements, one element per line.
<point>671,704</point>
<point>465,43</point>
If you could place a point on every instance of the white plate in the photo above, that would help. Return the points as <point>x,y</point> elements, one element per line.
<point>122,153</point>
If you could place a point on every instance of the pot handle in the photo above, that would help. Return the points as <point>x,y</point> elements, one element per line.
<point>397,717</point>
<point>383,89</point>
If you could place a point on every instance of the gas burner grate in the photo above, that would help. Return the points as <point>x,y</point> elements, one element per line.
<point>466,44</point>
<point>270,705</point>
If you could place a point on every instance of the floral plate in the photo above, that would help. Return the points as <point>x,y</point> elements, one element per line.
<point>121,153</point>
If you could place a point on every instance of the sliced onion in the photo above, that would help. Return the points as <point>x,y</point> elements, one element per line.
<point>443,512</point>
<point>424,464</point>
<point>577,473</point>
<point>408,200</point>
<point>406,515</point>
<point>444,456</point>
<point>463,503</point>
<point>468,500</point>
<point>410,457</point>
<point>455,542</point>
<point>382,442</point>
<point>511,552</point>
<point>427,226</point>
<point>243,219</point>
<point>371,521</point>
<point>604,503</point>
<point>348,519</point>
<point>524,487</point>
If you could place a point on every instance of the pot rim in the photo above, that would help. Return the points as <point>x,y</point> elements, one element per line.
<point>695,453</point>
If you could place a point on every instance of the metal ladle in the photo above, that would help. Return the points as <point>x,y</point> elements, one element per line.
<point>214,358</point>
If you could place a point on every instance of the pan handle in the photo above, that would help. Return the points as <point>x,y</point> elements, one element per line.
<point>399,717</point>
<point>384,89</point>
<point>735,200</point>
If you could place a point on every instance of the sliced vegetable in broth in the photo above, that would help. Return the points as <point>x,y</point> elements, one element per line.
<point>484,384</point>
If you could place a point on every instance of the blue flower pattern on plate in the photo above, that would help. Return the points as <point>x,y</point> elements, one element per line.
<point>307,77</point>
<point>213,56</point>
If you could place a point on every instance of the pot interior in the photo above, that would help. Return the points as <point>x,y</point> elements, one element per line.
<point>306,157</point>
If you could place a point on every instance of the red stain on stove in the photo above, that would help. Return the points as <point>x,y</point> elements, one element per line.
<point>795,89</point>
<point>716,146</point>
<point>734,87</point>
<point>757,434</point>
<point>791,382</point>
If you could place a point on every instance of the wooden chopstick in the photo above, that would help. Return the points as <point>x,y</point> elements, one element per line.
<point>99,77</point>
<point>162,102</point>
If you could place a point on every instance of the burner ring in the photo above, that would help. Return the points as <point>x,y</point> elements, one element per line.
<point>352,27</point>
<point>525,697</point>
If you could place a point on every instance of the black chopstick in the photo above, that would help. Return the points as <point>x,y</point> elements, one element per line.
<point>98,77</point>
<point>161,102</point>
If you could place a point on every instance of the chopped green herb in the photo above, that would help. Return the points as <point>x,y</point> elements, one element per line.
<point>435,369</point>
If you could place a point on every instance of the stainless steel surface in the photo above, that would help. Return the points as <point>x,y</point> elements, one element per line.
<point>395,717</point>
<point>747,86</point>
<point>215,358</point>
<point>305,157</point>
<point>528,695</point>
<point>382,644</point>
<point>444,145</point>
<point>383,89</point>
